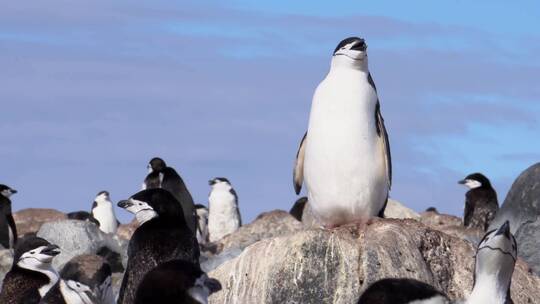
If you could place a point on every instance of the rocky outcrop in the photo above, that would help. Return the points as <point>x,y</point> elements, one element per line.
<point>522,208</point>
<point>80,237</point>
<point>125,231</point>
<point>397,210</point>
<point>267,225</point>
<point>335,266</point>
<point>30,220</point>
<point>451,225</point>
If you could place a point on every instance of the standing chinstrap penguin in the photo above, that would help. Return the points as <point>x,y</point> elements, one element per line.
<point>8,230</point>
<point>162,176</point>
<point>224,214</point>
<point>344,158</point>
<point>32,274</point>
<point>163,235</point>
<point>481,203</point>
<point>176,282</point>
<point>103,213</point>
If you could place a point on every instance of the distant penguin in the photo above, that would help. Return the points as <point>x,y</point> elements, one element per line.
<point>344,157</point>
<point>402,291</point>
<point>494,265</point>
<point>202,223</point>
<point>69,292</point>
<point>79,215</point>
<point>163,235</point>
<point>92,271</point>
<point>8,230</point>
<point>32,274</point>
<point>162,176</point>
<point>223,212</point>
<point>481,203</point>
<point>103,213</point>
<point>176,282</point>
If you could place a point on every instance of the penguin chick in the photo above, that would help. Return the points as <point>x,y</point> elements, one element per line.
<point>103,213</point>
<point>481,203</point>
<point>32,274</point>
<point>163,235</point>
<point>176,282</point>
<point>8,230</point>
<point>224,215</point>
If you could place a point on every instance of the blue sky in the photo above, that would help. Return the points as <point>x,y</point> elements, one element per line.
<point>91,91</point>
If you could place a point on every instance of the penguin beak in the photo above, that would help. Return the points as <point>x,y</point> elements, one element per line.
<point>360,46</point>
<point>51,250</point>
<point>124,204</point>
<point>211,182</point>
<point>13,191</point>
<point>212,284</point>
<point>462,182</point>
<point>504,229</point>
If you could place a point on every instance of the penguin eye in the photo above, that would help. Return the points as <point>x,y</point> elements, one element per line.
<point>78,285</point>
<point>140,204</point>
<point>32,252</point>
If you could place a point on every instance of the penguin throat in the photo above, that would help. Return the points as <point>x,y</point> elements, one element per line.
<point>345,62</point>
<point>489,289</point>
<point>145,215</point>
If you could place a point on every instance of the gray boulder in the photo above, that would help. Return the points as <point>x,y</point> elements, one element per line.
<point>6,260</point>
<point>336,266</point>
<point>522,208</point>
<point>80,237</point>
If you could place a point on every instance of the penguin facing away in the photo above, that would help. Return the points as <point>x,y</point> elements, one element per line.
<point>494,265</point>
<point>163,235</point>
<point>344,158</point>
<point>103,213</point>
<point>8,230</point>
<point>224,214</point>
<point>176,282</point>
<point>162,176</point>
<point>32,274</point>
<point>481,203</point>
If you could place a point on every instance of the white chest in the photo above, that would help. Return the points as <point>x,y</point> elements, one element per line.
<point>223,216</point>
<point>104,213</point>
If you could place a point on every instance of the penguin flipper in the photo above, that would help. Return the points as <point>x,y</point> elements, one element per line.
<point>11,223</point>
<point>298,172</point>
<point>381,131</point>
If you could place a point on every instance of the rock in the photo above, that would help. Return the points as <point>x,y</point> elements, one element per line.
<point>335,266</point>
<point>451,225</point>
<point>30,220</point>
<point>395,209</point>
<point>209,263</point>
<point>6,261</point>
<point>522,208</point>
<point>266,225</point>
<point>79,237</point>
<point>125,231</point>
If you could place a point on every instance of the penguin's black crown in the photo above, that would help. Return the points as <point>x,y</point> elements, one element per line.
<point>157,164</point>
<point>218,179</point>
<point>28,243</point>
<point>479,177</point>
<point>161,201</point>
<point>360,44</point>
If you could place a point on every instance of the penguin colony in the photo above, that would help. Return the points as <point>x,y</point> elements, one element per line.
<point>345,162</point>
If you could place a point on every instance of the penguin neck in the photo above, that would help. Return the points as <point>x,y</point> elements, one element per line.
<point>490,288</point>
<point>340,63</point>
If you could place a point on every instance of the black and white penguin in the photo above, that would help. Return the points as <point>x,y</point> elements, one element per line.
<point>402,291</point>
<point>32,274</point>
<point>102,213</point>
<point>99,279</point>
<point>202,223</point>
<point>344,158</point>
<point>69,292</point>
<point>223,212</point>
<point>176,282</point>
<point>481,203</point>
<point>496,256</point>
<point>163,235</point>
<point>162,176</point>
<point>8,230</point>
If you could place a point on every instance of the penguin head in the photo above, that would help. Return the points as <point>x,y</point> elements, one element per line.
<point>102,196</point>
<point>35,253</point>
<point>6,191</point>
<point>220,182</point>
<point>153,203</point>
<point>475,180</point>
<point>203,287</point>
<point>496,253</point>
<point>156,164</point>
<point>352,51</point>
<point>80,290</point>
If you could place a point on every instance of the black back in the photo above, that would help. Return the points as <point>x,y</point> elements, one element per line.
<point>159,240</point>
<point>481,204</point>
<point>398,291</point>
<point>168,283</point>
